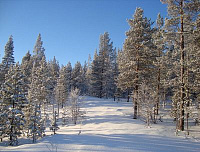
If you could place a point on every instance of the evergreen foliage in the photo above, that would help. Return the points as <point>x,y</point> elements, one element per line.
<point>136,65</point>
<point>154,65</point>
<point>7,60</point>
<point>12,105</point>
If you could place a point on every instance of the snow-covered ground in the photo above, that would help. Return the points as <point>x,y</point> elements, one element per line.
<point>108,127</point>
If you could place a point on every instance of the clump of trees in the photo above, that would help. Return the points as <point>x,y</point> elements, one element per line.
<point>157,61</point>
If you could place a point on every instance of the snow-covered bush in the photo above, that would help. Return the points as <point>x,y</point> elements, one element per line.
<point>146,102</point>
<point>74,103</point>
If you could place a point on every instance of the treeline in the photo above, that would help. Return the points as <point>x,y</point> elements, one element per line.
<point>30,88</point>
<point>158,61</point>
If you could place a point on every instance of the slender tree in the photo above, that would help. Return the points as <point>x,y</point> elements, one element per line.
<point>77,77</point>
<point>96,84</point>
<point>69,77</point>
<point>158,42</point>
<point>38,50</point>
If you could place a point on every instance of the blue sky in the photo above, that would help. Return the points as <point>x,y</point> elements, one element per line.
<point>70,29</point>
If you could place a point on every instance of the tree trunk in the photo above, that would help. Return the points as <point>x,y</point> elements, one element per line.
<point>158,90</point>
<point>136,89</point>
<point>58,109</point>
<point>135,103</point>
<point>128,98</point>
<point>181,120</point>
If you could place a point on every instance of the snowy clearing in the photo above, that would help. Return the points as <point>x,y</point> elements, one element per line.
<point>108,127</point>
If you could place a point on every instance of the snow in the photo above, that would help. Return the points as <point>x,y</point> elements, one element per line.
<point>108,127</point>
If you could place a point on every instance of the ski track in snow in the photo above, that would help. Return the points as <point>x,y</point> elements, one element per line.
<point>108,127</point>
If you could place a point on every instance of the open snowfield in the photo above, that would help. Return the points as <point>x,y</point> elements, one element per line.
<point>108,127</point>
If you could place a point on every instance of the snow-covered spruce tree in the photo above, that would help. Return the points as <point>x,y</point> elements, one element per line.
<point>85,84</point>
<point>178,27</point>
<point>37,92</point>
<point>52,76</point>
<point>3,120</point>
<point>146,98</point>
<point>38,50</point>
<point>159,46</point>
<point>113,73</point>
<point>7,60</point>
<point>95,79</point>
<point>139,55</point>
<point>68,78</point>
<point>13,102</point>
<point>36,123</point>
<point>26,67</point>
<point>88,76</point>
<point>102,68</point>
<point>42,72</point>
<point>36,97</point>
<point>61,88</point>
<point>105,65</point>
<point>77,77</point>
<point>123,74</point>
<point>54,68</point>
<point>166,74</point>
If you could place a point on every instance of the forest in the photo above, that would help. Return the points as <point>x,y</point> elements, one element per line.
<point>158,65</point>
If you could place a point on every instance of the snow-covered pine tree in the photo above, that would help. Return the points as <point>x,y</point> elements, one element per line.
<point>27,64</point>
<point>36,123</point>
<point>51,83</point>
<point>123,74</point>
<point>37,98</point>
<point>114,72</point>
<point>195,65</point>
<point>178,27</point>
<point>68,78</point>
<point>102,67</point>
<point>13,102</point>
<point>74,105</point>
<point>88,76</point>
<point>105,65</point>
<point>26,67</point>
<point>139,54</point>
<point>77,77</point>
<point>37,92</point>
<point>7,60</point>
<point>95,79</point>
<point>42,72</point>
<point>166,73</point>
<point>54,68</point>
<point>159,46</point>
<point>85,85</point>
<point>3,120</point>
<point>38,50</point>
<point>61,89</point>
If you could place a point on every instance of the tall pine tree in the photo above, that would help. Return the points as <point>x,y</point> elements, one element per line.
<point>178,27</point>
<point>8,59</point>
<point>137,55</point>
